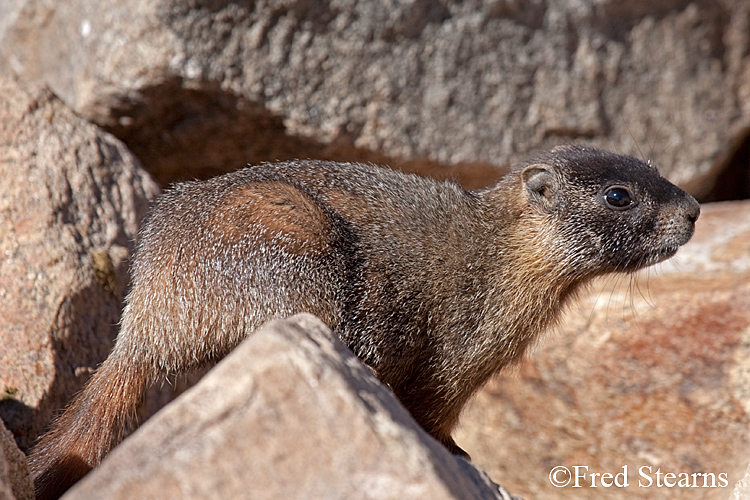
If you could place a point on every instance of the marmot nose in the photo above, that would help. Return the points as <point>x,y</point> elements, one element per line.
<point>692,210</point>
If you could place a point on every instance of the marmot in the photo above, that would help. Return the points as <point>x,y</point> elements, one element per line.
<point>434,287</point>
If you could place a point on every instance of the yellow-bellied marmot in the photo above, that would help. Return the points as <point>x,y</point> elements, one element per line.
<point>434,287</point>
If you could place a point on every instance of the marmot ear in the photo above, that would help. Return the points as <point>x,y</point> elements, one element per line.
<point>542,184</point>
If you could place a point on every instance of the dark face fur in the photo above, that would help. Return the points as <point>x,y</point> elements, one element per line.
<point>613,211</point>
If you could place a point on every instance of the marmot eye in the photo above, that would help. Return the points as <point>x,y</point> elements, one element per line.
<point>618,198</point>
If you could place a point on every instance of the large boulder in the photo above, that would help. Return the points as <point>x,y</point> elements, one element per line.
<point>72,199</point>
<point>203,86</point>
<point>290,413</point>
<point>651,371</point>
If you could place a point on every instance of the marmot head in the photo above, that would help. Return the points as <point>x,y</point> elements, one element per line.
<point>612,213</point>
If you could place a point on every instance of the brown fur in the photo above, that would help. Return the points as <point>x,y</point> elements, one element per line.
<point>433,287</point>
<point>277,206</point>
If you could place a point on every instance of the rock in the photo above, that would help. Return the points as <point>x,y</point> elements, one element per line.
<point>15,480</point>
<point>742,488</point>
<point>653,372</point>
<point>72,200</point>
<point>200,87</point>
<point>290,413</point>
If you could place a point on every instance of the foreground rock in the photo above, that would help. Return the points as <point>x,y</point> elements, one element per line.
<point>290,413</point>
<point>650,373</point>
<point>15,481</point>
<point>72,198</point>
<point>742,488</point>
<point>207,86</point>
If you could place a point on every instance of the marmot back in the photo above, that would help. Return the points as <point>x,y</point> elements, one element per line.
<point>434,287</point>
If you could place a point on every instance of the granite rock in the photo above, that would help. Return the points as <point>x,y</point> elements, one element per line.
<point>199,87</point>
<point>290,413</point>
<point>15,480</point>
<point>73,197</point>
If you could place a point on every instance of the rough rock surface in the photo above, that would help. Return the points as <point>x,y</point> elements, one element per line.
<point>742,488</point>
<point>651,372</point>
<point>290,413</point>
<point>203,86</point>
<point>72,198</point>
<point>15,481</point>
